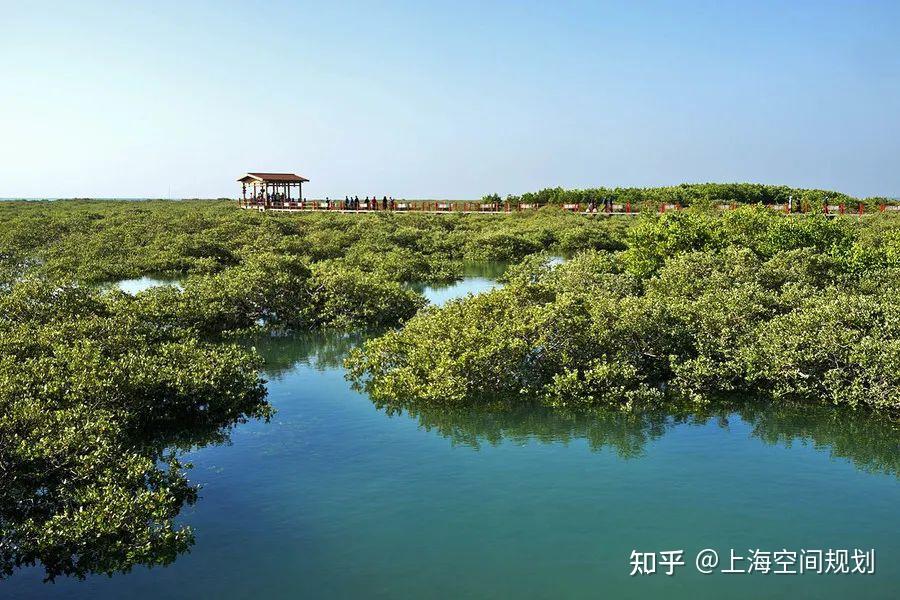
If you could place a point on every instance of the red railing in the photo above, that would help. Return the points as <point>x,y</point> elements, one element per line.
<point>451,206</point>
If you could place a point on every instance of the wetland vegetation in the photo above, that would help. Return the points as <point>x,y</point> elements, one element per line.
<point>100,390</point>
<point>696,307</point>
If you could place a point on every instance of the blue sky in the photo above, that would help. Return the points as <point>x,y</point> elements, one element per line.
<point>455,99</point>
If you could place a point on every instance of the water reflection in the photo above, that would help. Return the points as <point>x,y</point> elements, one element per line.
<point>285,352</point>
<point>140,284</point>
<point>54,521</point>
<point>282,352</point>
<point>337,450</point>
<point>485,269</point>
<point>477,277</point>
<point>627,433</point>
<point>870,440</point>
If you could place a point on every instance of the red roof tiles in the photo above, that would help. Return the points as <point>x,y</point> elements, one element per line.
<point>273,177</point>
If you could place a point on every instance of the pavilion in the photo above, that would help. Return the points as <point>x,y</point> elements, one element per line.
<point>270,189</point>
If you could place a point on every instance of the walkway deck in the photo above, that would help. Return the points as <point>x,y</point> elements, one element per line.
<point>429,212</point>
<point>468,208</point>
<point>431,208</point>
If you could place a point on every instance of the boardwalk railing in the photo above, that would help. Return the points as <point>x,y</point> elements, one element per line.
<point>457,206</point>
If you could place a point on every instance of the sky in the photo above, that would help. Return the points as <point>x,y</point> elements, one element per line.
<point>446,99</point>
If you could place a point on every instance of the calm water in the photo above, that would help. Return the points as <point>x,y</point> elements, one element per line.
<point>139,284</point>
<point>477,277</point>
<point>337,498</point>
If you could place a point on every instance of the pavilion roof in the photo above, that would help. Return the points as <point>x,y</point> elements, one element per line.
<point>272,177</point>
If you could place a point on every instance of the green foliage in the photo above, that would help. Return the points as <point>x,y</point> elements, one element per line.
<point>655,238</point>
<point>296,271</point>
<point>352,299</point>
<point>99,390</point>
<point>101,241</point>
<point>699,194</point>
<point>697,306</point>
<point>278,292</point>
<point>90,398</point>
<point>264,288</point>
<point>840,345</point>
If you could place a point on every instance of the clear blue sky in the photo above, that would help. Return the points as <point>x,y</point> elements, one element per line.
<point>457,99</point>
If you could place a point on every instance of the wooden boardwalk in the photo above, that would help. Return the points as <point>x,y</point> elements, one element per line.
<point>428,212</point>
<point>430,208</point>
<point>468,208</point>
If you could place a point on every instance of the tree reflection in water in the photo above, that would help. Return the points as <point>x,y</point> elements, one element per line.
<point>869,439</point>
<point>321,350</point>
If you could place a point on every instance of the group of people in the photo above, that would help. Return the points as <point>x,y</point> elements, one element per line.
<point>348,203</point>
<point>593,205</point>
<point>354,203</point>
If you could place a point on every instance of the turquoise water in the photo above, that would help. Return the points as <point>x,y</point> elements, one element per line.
<point>440,294</point>
<point>477,277</point>
<point>139,284</point>
<point>338,498</point>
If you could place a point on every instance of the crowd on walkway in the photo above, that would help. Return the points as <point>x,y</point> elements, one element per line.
<point>348,203</point>
<point>593,205</point>
<point>354,203</point>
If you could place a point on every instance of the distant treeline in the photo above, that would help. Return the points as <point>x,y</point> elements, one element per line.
<point>692,194</point>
